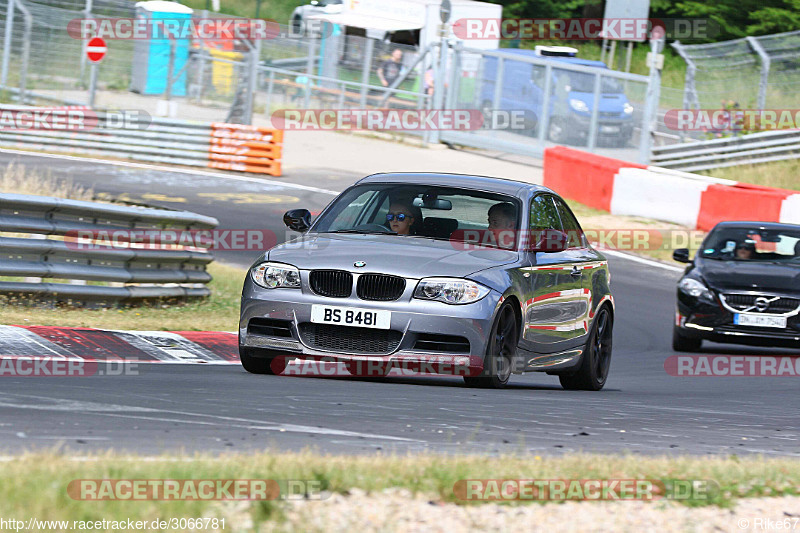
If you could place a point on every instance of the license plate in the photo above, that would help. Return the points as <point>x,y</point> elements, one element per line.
<point>759,320</point>
<point>351,316</point>
<point>609,129</point>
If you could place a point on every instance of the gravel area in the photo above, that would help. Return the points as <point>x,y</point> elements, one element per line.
<point>399,510</point>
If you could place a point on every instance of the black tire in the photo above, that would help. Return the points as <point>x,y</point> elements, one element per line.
<point>500,354</point>
<point>260,365</point>
<point>596,360</point>
<point>681,343</point>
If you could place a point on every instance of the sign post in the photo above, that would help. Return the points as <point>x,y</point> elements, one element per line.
<point>95,52</point>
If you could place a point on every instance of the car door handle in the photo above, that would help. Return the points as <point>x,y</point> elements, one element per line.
<point>576,272</point>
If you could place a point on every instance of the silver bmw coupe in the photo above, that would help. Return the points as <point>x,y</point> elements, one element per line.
<point>477,276</point>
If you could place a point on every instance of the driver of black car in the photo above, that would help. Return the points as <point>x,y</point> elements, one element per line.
<point>745,250</point>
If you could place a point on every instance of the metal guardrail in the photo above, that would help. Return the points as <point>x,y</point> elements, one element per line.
<point>199,144</point>
<point>138,273</point>
<point>760,147</point>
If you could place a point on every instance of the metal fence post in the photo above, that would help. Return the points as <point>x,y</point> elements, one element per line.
<point>544,122</point>
<point>252,81</point>
<point>765,65</point>
<point>26,50</point>
<point>92,84</point>
<point>651,101</point>
<point>7,42</point>
<point>439,76</point>
<point>170,69</point>
<point>309,71</point>
<point>593,122</point>
<point>365,70</point>
<point>498,92</point>
<point>270,87</point>
<point>87,13</point>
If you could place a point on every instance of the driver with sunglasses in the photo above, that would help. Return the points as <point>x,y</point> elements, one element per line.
<point>403,218</point>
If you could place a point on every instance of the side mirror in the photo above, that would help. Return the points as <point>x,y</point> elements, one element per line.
<point>549,241</point>
<point>681,255</point>
<point>297,219</point>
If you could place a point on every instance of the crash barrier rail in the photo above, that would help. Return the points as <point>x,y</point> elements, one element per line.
<point>98,244</point>
<point>747,149</point>
<point>200,144</point>
<point>692,200</point>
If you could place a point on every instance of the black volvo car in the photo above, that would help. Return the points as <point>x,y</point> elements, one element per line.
<point>742,287</point>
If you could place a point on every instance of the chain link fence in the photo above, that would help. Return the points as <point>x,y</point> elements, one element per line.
<point>749,73</point>
<point>583,104</point>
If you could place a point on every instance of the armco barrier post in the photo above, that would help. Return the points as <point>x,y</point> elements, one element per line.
<point>651,100</point>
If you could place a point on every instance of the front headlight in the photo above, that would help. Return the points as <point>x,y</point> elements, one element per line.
<point>627,109</point>
<point>450,290</point>
<point>276,275</point>
<point>578,105</point>
<point>695,288</point>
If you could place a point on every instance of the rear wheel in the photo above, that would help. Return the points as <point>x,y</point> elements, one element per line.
<point>499,360</point>
<point>261,365</point>
<point>681,343</point>
<point>593,371</point>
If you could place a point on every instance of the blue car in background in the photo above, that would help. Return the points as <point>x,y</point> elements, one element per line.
<point>571,98</point>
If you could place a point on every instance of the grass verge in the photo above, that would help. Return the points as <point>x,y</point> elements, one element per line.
<point>780,174</point>
<point>19,180</point>
<point>36,484</point>
<point>220,312</point>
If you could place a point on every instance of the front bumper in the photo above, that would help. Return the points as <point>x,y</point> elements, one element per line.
<point>714,323</point>
<point>607,128</point>
<point>411,320</point>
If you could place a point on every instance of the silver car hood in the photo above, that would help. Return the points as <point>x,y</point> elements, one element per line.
<point>410,257</point>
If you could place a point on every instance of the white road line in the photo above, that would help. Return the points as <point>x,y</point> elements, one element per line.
<point>191,171</point>
<point>637,259</point>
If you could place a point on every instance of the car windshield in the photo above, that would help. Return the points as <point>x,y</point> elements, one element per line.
<point>442,213</point>
<point>752,244</point>
<point>583,82</point>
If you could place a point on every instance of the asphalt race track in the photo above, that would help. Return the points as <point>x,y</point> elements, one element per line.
<point>168,408</point>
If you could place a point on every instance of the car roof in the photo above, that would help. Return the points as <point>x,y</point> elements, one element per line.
<point>561,59</point>
<point>748,224</point>
<point>467,181</point>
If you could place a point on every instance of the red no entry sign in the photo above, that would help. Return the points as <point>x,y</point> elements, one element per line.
<point>96,49</point>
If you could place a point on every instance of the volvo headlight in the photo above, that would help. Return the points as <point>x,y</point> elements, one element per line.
<point>578,105</point>
<point>276,275</point>
<point>627,109</point>
<point>450,290</point>
<point>695,288</point>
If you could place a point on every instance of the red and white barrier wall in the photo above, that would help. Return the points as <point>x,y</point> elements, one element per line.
<point>623,188</point>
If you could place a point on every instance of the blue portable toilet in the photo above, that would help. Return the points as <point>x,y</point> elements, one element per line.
<point>151,56</point>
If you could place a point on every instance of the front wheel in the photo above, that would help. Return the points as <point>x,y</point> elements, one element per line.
<point>499,360</point>
<point>593,371</point>
<point>681,343</point>
<point>261,365</point>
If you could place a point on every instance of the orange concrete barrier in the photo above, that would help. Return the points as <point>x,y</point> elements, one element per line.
<point>581,176</point>
<point>245,148</point>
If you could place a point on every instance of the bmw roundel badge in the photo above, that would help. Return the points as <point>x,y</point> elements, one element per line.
<point>359,264</point>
